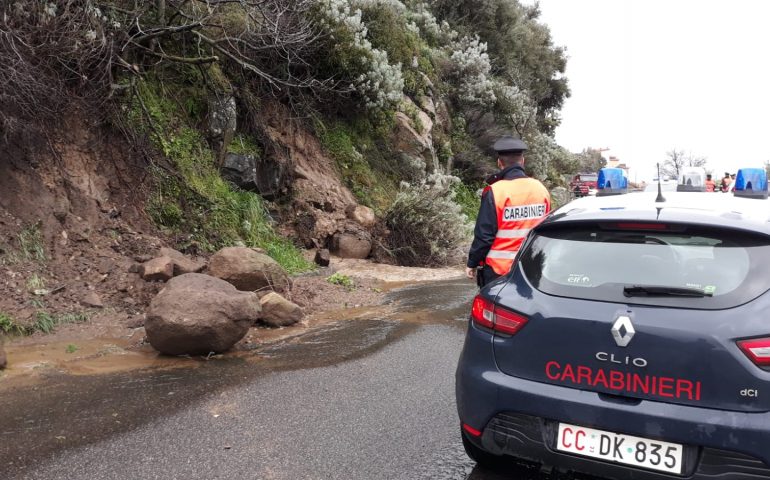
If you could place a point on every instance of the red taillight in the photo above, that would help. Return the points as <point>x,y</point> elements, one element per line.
<point>471,430</point>
<point>758,350</point>
<point>489,315</point>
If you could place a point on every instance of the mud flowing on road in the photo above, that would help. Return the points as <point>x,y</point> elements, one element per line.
<point>370,397</point>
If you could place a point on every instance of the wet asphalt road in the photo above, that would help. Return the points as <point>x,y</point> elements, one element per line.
<point>363,399</point>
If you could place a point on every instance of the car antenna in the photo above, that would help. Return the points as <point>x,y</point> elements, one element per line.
<point>660,198</point>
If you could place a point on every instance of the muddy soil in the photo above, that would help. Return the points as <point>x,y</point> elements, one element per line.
<point>108,344</point>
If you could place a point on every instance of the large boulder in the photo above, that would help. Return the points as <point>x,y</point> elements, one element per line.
<point>248,269</point>
<point>352,245</point>
<point>279,312</point>
<point>181,263</point>
<point>240,170</point>
<point>196,314</point>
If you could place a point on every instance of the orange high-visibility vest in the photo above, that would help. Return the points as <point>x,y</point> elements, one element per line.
<point>521,205</point>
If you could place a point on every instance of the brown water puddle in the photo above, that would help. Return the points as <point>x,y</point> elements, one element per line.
<point>405,302</point>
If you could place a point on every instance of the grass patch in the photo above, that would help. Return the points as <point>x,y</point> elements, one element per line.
<point>341,280</point>
<point>198,202</point>
<point>35,282</point>
<point>45,322</point>
<point>362,164</point>
<point>8,325</point>
<point>30,247</point>
<point>469,199</point>
<point>71,348</point>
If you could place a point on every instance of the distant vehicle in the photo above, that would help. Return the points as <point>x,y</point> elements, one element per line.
<point>630,340</point>
<point>692,179</point>
<point>583,184</point>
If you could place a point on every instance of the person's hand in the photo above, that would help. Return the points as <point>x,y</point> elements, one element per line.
<point>470,273</point>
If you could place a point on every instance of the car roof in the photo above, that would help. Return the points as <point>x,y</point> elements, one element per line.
<point>694,208</point>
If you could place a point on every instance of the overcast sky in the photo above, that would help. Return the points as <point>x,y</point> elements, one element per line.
<point>651,75</point>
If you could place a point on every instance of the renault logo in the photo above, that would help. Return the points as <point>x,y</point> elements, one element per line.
<point>623,331</point>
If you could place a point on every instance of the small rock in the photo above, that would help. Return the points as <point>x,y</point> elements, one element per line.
<point>351,245</point>
<point>362,215</point>
<point>279,312</point>
<point>158,269</point>
<point>182,264</point>
<point>322,257</point>
<point>92,299</point>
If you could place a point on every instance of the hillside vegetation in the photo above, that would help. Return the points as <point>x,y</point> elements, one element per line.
<point>268,122</point>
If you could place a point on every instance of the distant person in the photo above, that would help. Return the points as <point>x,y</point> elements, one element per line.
<point>725,185</point>
<point>710,185</point>
<point>511,205</point>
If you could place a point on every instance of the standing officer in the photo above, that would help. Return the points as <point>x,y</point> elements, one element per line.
<point>511,205</point>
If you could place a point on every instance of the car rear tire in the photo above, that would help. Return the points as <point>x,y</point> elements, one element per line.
<point>482,458</point>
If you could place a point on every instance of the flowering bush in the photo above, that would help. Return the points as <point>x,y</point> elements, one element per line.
<point>426,225</point>
<point>379,82</point>
<point>470,69</point>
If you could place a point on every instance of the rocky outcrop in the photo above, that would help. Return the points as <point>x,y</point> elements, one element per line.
<point>279,312</point>
<point>196,314</point>
<point>256,174</point>
<point>159,269</point>
<point>182,263</point>
<point>352,244</point>
<point>222,122</point>
<point>248,269</point>
<point>412,135</point>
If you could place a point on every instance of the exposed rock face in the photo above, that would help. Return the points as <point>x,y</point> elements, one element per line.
<point>182,263</point>
<point>254,174</point>
<point>362,215</point>
<point>413,135</point>
<point>352,244</point>
<point>248,269</point>
<point>279,312</point>
<point>196,314</point>
<point>322,257</point>
<point>222,118</point>
<point>157,269</point>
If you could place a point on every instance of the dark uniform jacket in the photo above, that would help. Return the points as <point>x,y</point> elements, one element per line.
<point>486,223</point>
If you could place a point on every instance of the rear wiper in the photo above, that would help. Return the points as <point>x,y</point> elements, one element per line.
<point>656,291</point>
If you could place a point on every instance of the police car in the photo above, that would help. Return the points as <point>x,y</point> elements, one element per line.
<point>630,341</point>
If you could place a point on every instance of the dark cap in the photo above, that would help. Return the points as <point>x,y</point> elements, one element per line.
<point>509,144</point>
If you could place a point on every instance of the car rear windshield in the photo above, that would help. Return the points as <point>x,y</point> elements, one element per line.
<point>588,178</point>
<point>601,262</point>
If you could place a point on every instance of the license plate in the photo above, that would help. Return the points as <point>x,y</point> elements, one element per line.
<point>619,448</point>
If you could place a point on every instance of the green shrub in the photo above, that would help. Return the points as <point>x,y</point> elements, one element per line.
<point>341,280</point>
<point>8,325</point>
<point>426,225</point>
<point>469,199</point>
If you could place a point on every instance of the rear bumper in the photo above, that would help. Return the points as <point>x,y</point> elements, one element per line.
<point>730,445</point>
